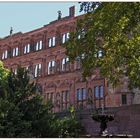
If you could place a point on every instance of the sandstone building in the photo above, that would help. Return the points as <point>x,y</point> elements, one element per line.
<point>41,52</point>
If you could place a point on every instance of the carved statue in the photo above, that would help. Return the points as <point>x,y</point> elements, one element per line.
<point>11,31</point>
<point>59,14</point>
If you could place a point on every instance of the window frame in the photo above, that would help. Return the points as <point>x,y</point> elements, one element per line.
<point>4,54</point>
<point>37,70</point>
<point>52,41</point>
<point>65,37</point>
<point>65,62</point>
<point>51,65</point>
<point>15,51</point>
<point>39,45</point>
<point>124,102</point>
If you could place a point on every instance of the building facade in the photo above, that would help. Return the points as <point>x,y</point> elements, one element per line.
<point>41,52</point>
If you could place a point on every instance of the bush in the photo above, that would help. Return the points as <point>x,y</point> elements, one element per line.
<point>69,126</point>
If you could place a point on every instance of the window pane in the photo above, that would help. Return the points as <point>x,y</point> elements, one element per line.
<point>28,49</point>
<point>96,91</point>
<point>67,95</point>
<point>15,71</point>
<point>36,70</point>
<point>50,42</point>
<point>40,44</point>
<point>63,39</point>
<point>14,52</point>
<point>24,49</point>
<point>101,91</point>
<point>39,66</point>
<point>83,56</point>
<point>100,53</point>
<point>53,63</point>
<point>37,46</point>
<point>63,61</point>
<point>53,41</point>
<point>79,95</point>
<point>64,96</point>
<point>79,36</point>
<point>67,59</point>
<point>68,35</point>
<point>3,55</point>
<point>6,52</point>
<point>49,65</point>
<point>124,99</point>
<point>84,93</point>
<point>27,67</point>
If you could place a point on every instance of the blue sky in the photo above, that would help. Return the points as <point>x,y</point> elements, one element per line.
<point>27,16</point>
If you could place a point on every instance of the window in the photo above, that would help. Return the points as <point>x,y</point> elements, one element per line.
<point>99,91</point>
<point>65,37</point>
<point>81,98</point>
<point>38,45</point>
<point>51,67</point>
<point>27,67</point>
<point>79,95</point>
<point>5,55</point>
<point>64,100</point>
<point>82,34</point>
<point>100,53</point>
<point>37,71</point>
<point>65,64</point>
<point>79,36</point>
<point>124,99</point>
<point>52,42</point>
<point>50,97</point>
<point>15,70</point>
<point>96,91</point>
<point>83,56</point>
<point>15,51</point>
<point>84,93</point>
<point>78,63</point>
<point>26,48</point>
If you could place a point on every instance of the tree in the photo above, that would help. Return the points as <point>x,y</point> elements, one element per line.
<point>109,37</point>
<point>3,79</point>
<point>23,112</point>
<point>69,126</point>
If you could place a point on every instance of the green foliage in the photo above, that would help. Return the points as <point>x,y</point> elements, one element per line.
<point>3,79</point>
<point>69,127</point>
<point>23,113</point>
<point>3,72</point>
<point>114,29</point>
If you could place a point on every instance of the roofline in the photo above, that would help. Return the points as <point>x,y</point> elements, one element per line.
<point>67,18</point>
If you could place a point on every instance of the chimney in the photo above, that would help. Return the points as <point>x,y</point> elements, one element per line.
<point>72,11</point>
